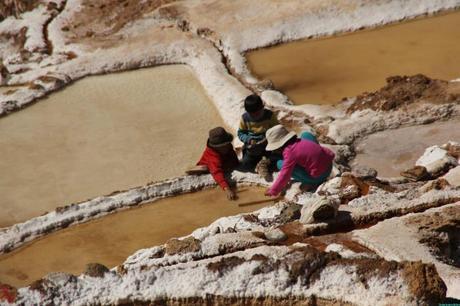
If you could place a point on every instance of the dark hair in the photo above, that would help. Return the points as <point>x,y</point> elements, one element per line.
<point>253,103</point>
<point>290,141</point>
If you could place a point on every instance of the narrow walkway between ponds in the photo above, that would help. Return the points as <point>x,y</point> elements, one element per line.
<point>323,71</point>
<point>393,151</point>
<point>111,239</point>
<point>99,135</point>
<point>9,89</point>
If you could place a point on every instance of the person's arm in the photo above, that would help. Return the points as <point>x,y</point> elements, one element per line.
<point>215,168</point>
<point>283,177</point>
<point>244,133</point>
<point>214,163</point>
<point>218,174</point>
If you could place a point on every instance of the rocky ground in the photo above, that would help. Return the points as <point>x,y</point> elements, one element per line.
<point>276,255</point>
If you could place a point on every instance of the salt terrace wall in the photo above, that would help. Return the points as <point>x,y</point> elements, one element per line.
<point>216,56</point>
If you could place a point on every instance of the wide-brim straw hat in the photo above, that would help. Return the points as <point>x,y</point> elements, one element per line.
<point>219,137</point>
<point>277,136</point>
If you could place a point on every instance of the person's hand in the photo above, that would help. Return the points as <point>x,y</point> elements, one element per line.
<point>267,193</point>
<point>231,194</point>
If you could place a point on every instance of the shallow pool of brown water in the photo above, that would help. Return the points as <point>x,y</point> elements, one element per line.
<point>323,71</point>
<point>393,151</point>
<point>101,134</point>
<point>111,239</point>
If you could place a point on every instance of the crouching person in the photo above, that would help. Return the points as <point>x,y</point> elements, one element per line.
<point>304,159</point>
<point>219,157</point>
<point>253,125</point>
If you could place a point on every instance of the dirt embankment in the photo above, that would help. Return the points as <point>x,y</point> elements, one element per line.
<point>99,20</point>
<point>441,232</point>
<point>16,7</point>
<point>401,91</point>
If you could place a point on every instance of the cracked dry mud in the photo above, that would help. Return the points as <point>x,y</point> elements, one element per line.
<point>394,241</point>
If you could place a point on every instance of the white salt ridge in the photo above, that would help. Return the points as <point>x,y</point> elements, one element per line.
<point>326,21</point>
<point>34,21</point>
<point>453,176</point>
<point>18,234</point>
<point>346,130</point>
<point>210,246</point>
<point>227,93</point>
<point>266,216</point>
<point>194,279</point>
<point>205,60</point>
<point>346,252</point>
<point>393,240</point>
<point>434,159</point>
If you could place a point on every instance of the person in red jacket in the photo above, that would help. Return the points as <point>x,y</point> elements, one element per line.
<point>219,157</point>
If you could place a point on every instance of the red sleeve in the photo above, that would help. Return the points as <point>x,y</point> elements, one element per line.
<point>215,168</point>
<point>214,163</point>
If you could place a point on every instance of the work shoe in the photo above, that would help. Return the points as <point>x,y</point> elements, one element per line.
<point>197,170</point>
<point>262,168</point>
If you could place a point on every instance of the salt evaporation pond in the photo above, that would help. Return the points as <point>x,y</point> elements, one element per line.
<point>323,71</point>
<point>393,151</point>
<point>111,239</point>
<point>99,135</point>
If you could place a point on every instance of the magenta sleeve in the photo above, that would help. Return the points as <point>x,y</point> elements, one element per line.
<point>284,176</point>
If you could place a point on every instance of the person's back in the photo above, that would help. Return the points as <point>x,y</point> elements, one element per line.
<point>221,160</point>
<point>256,128</point>
<point>304,159</point>
<point>309,155</point>
<point>219,157</point>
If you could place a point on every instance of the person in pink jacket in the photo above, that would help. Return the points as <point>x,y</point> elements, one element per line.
<point>304,159</point>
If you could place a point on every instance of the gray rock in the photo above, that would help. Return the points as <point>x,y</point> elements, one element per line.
<point>290,213</point>
<point>96,270</point>
<point>342,152</point>
<point>60,278</point>
<point>182,246</point>
<point>318,209</point>
<point>275,235</point>
<point>436,161</point>
<point>416,173</point>
<point>364,172</point>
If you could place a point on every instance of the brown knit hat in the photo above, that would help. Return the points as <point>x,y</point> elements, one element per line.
<point>218,137</point>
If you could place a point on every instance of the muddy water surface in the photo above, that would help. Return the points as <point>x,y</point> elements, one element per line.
<point>323,71</point>
<point>393,151</point>
<point>101,134</point>
<point>111,239</point>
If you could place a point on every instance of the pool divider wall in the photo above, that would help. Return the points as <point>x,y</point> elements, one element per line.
<point>17,235</point>
<point>327,22</point>
<point>224,89</point>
